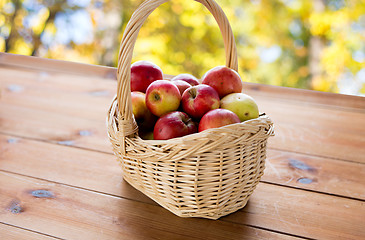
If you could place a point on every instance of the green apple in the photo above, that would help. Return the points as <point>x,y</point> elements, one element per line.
<point>146,135</point>
<point>241,104</point>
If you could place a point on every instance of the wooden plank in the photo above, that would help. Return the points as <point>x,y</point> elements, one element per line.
<point>45,160</point>
<point>311,129</point>
<point>20,61</point>
<point>74,167</point>
<point>14,233</point>
<point>56,128</point>
<point>315,173</point>
<point>72,213</point>
<point>303,128</point>
<point>304,95</point>
<point>58,93</point>
<point>303,213</point>
<point>67,165</point>
<point>57,108</point>
<point>45,65</point>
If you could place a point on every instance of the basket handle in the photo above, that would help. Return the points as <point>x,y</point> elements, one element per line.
<point>126,52</point>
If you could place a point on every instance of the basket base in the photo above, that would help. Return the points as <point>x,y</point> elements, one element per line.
<point>212,213</point>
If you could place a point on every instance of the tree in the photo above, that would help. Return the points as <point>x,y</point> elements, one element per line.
<point>316,44</point>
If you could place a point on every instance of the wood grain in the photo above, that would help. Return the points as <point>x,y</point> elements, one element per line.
<point>13,60</point>
<point>304,95</point>
<point>311,129</point>
<point>14,233</point>
<point>315,173</point>
<point>62,164</point>
<point>303,213</point>
<point>74,167</point>
<point>72,213</point>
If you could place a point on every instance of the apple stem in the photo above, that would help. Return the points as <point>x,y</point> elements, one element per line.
<point>193,93</point>
<point>156,97</point>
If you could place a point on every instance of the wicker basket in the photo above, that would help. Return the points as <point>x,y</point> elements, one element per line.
<point>208,174</point>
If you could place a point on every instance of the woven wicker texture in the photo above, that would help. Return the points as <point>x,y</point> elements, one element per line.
<point>208,174</point>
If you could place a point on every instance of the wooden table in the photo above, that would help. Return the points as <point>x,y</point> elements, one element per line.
<point>60,180</point>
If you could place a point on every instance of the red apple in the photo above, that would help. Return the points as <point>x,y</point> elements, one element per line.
<point>224,80</point>
<point>193,81</point>
<point>198,100</point>
<point>145,119</point>
<point>181,85</point>
<point>143,73</point>
<point>218,118</point>
<point>162,96</point>
<point>148,122</point>
<point>172,125</point>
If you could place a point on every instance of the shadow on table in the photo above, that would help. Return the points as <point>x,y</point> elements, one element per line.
<point>145,219</point>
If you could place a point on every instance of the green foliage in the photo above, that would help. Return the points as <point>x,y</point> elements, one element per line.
<point>317,44</point>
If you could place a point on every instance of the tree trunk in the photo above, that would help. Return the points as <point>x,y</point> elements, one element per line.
<point>37,38</point>
<point>13,32</point>
<point>316,45</point>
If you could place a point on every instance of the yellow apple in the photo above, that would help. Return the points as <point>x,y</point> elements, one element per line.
<point>241,104</point>
<point>145,119</point>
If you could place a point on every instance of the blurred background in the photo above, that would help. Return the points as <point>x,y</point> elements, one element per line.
<point>310,44</point>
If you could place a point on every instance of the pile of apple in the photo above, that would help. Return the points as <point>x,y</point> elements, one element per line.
<point>166,109</point>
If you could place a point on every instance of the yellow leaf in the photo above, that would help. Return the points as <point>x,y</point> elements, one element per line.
<point>320,84</point>
<point>2,44</point>
<point>21,47</point>
<point>42,18</point>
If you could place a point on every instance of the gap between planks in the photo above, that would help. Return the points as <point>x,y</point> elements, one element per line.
<point>27,231</point>
<point>53,65</point>
<point>111,153</point>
